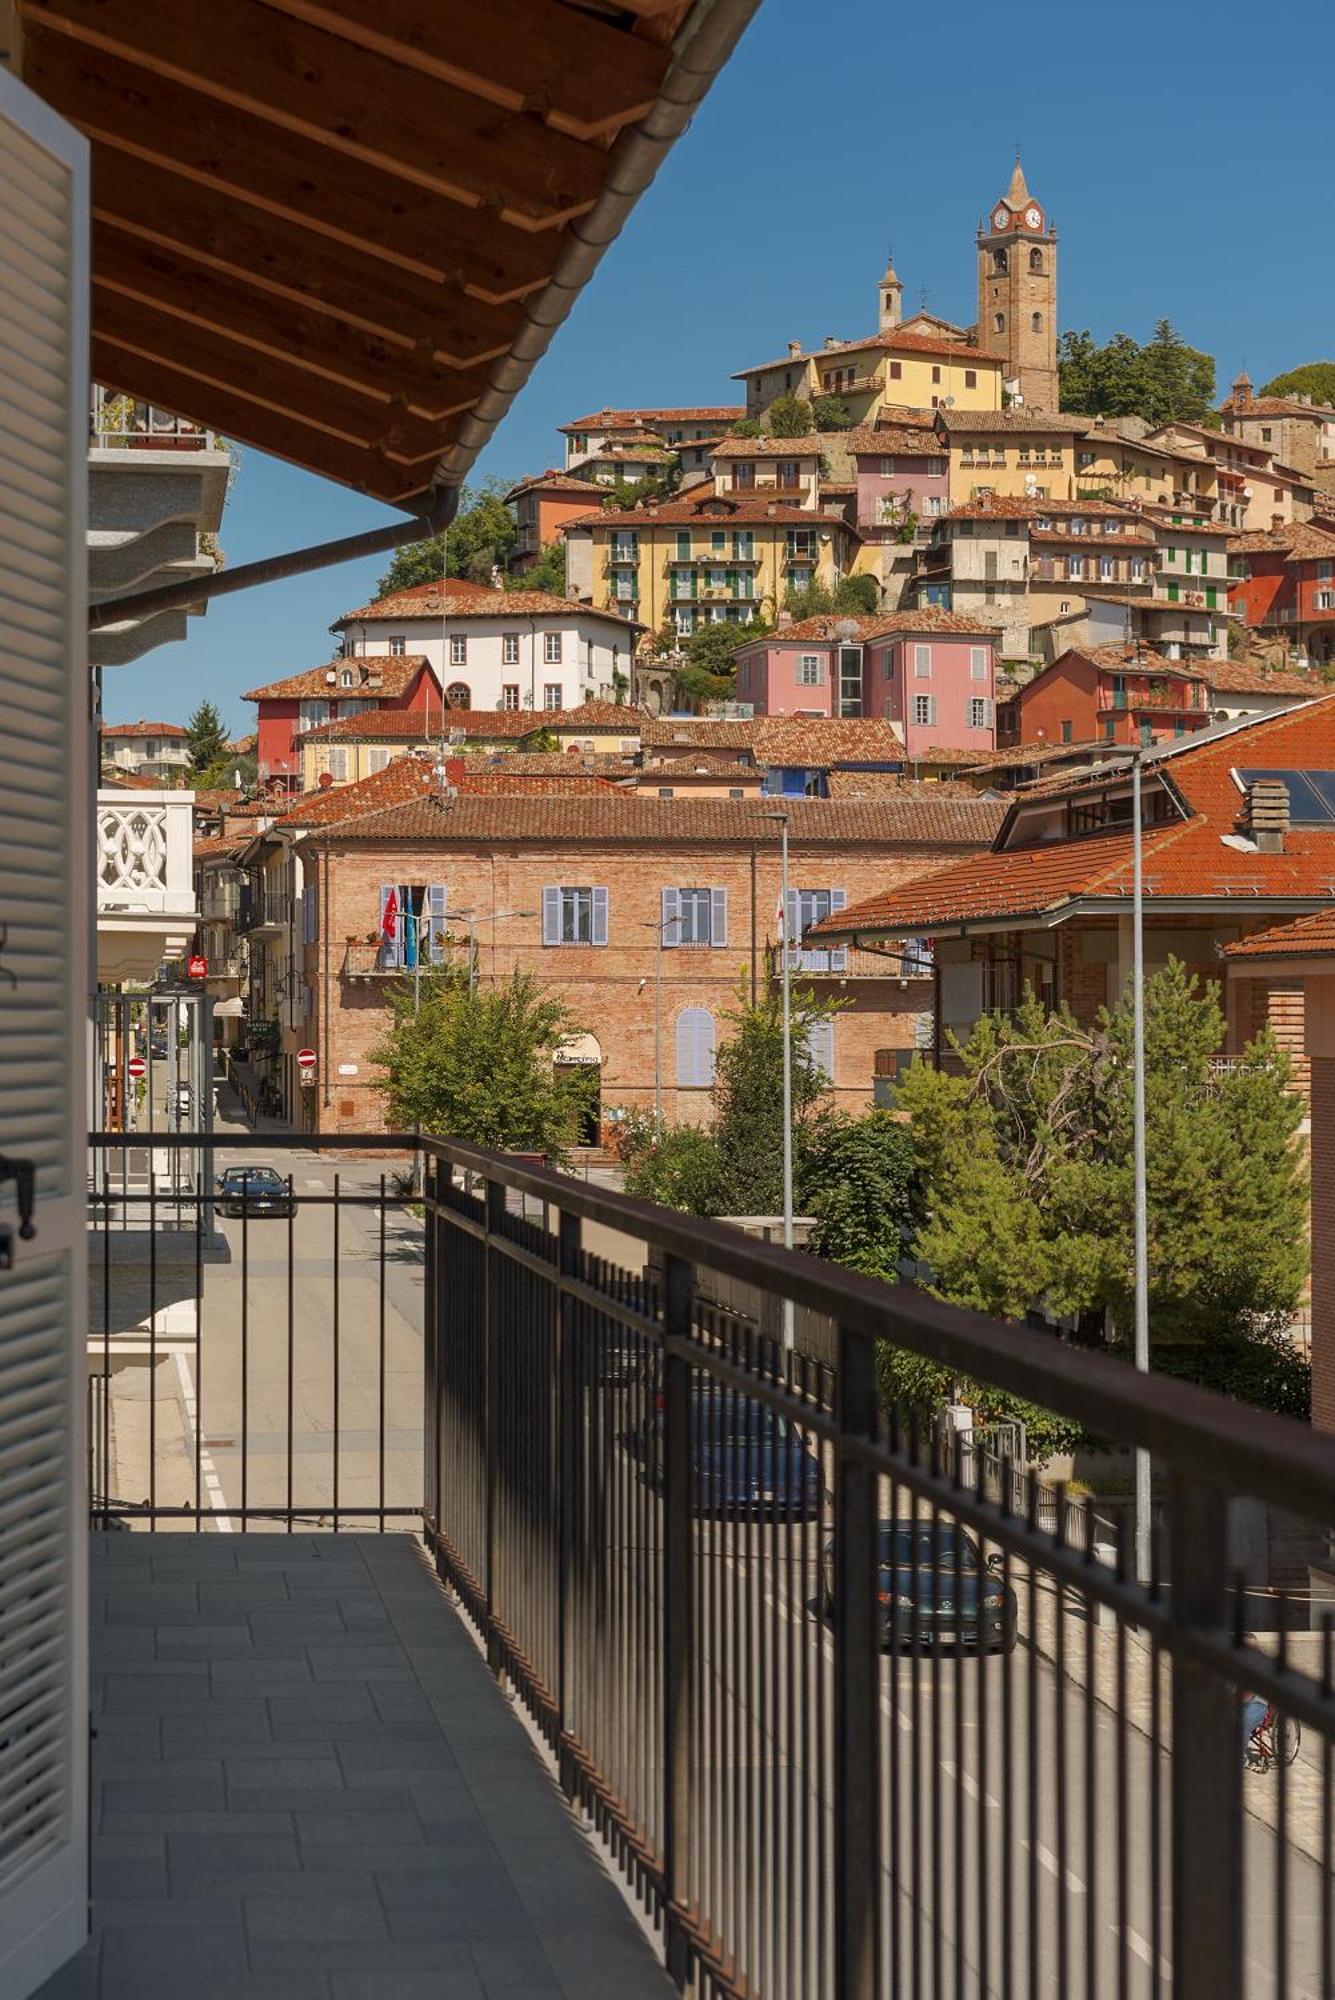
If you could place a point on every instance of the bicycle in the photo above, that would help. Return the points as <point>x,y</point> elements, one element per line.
<point>1275,1739</point>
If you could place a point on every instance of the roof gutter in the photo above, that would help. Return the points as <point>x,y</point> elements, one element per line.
<point>703,44</point>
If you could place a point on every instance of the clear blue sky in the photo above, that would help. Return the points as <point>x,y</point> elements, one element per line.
<point>1184,181</point>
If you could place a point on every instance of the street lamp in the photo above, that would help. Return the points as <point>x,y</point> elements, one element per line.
<point>786,988</point>
<point>1142,1283</point>
<point>661,926</point>
<point>472,918</point>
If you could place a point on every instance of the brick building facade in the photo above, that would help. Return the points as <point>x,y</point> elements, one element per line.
<point>593,882</point>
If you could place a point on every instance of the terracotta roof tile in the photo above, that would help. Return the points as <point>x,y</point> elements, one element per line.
<point>1008,507</point>
<point>1277,406</point>
<point>551,481</point>
<point>720,413</point>
<point>1314,934</point>
<point>1014,423</point>
<point>1234,677</point>
<point>882,440</point>
<point>396,673</point>
<point>710,509</point>
<point>896,341</point>
<point>398,726</point>
<point>809,446</point>
<point>419,600</point>
<point>894,785</point>
<point>612,818</point>
<point>171,730</point>
<point>403,779</point>
<point>1300,539</point>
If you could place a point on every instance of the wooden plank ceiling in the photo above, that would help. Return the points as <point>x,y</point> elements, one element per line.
<point>316,222</point>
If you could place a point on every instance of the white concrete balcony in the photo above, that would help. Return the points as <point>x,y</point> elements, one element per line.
<point>146,908</point>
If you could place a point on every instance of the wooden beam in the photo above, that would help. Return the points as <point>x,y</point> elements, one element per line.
<point>378,112</point>
<point>583,74</point>
<point>381,364</point>
<point>240,417</point>
<point>378,216</point>
<point>278,254</point>
<point>352,416</point>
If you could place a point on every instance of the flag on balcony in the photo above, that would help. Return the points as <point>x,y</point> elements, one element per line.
<point>389,917</point>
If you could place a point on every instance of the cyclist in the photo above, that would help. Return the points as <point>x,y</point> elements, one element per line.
<point>1254,1710</point>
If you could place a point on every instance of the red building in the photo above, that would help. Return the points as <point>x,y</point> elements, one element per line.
<point>406,682</point>
<point>1107,694</point>
<point>1283,580</point>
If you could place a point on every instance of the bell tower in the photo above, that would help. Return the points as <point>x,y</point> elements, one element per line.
<point>1017,293</point>
<point>890,302</point>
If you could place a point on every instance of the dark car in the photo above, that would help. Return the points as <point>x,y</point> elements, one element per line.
<point>934,1589</point>
<point>745,1457</point>
<point>254,1191</point>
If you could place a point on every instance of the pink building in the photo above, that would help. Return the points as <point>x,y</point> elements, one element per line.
<point>931,673</point>
<point>903,473</point>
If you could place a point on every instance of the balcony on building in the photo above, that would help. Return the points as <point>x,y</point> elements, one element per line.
<point>146,909</point>
<point>157,486</point>
<point>263,911</point>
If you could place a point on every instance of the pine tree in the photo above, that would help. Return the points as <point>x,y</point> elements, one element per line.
<point>205,737</point>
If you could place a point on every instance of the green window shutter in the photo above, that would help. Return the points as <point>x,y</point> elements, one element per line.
<point>1172,593</point>
<point>1211,598</point>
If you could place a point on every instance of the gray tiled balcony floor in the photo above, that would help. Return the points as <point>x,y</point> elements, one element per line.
<point>307,1786</point>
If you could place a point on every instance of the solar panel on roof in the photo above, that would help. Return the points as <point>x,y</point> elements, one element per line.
<point>1308,806</point>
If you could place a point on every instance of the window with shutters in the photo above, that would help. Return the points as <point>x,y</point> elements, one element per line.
<point>376,759</point>
<point>810,670</point>
<point>978,663</point>
<point>334,761</point>
<point>695,1048</point>
<point>412,931</point>
<point>313,714</point>
<point>922,663</point>
<point>694,917</point>
<point>510,695</point>
<point>458,649</point>
<point>980,714</point>
<point>924,710</point>
<point>574,915</point>
<point>310,910</point>
<point>807,907</point>
<point>551,648</point>
<point>396,644</point>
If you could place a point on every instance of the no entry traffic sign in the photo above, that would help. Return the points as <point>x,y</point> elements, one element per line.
<point>136,1066</point>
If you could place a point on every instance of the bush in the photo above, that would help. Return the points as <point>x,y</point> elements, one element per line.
<point>674,1165</point>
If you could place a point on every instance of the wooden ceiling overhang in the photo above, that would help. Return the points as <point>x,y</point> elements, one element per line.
<point>343,231</point>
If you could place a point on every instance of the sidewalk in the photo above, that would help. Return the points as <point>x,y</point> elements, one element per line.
<point>308,1786</point>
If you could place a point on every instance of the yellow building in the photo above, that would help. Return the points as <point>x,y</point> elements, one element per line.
<point>899,367</point>
<point>702,559</point>
<point>1014,454</point>
<point>1112,467</point>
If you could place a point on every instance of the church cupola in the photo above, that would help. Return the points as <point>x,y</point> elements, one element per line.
<point>891,302</point>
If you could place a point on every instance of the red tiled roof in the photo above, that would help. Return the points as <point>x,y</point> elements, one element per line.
<point>713,509</point>
<point>608,818</point>
<point>886,440</point>
<point>894,785</point>
<point>396,673</point>
<point>217,846</point>
<point>550,481</point>
<point>1008,507</point>
<point>1192,859</point>
<point>809,446</point>
<point>168,729</point>
<point>1233,677</point>
<point>896,341</point>
<point>1119,659</point>
<point>601,420</point>
<point>929,618</point>
<point>394,726</point>
<point>419,600</point>
<point>1299,539</point>
<point>1306,935</point>
<point>403,779</point>
<point>1015,423</point>
<point>1277,406</point>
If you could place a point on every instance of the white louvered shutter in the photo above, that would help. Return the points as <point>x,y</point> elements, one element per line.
<point>839,956</point>
<point>669,918</point>
<point>695,1048</point>
<point>820,1048</point>
<point>46,872</point>
<point>391,945</point>
<point>718,918</point>
<point>599,916</point>
<point>551,914</point>
<point>436,905</point>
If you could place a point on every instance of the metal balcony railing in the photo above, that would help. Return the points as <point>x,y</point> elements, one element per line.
<point>263,910</point>
<point>850,1695</point>
<point>119,423</point>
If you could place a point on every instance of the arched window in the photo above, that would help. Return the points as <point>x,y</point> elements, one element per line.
<point>1036,260</point>
<point>1001,262</point>
<point>459,695</point>
<point>999,323</point>
<point>695,1048</point>
<point>345,678</point>
<point>1036,322</point>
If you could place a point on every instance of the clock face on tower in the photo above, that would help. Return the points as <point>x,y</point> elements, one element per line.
<point>1000,219</point>
<point>1033,217</point>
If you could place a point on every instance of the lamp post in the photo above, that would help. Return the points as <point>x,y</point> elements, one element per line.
<point>787,991</point>
<point>472,918</point>
<point>1142,1350</point>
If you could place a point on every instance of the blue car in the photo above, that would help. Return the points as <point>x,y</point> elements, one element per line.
<point>745,1458</point>
<point>934,1590</point>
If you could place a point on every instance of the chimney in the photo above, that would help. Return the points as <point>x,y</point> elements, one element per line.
<point>1265,814</point>
<point>832,340</point>
<point>794,349</point>
<point>785,618</point>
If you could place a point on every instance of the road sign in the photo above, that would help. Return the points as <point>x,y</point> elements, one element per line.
<point>136,1067</point>
<point>197,966</point>
<point>306,1059</point>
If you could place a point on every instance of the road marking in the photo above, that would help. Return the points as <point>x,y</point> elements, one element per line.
<point>971,1786</point>
<point>1053,1866</point>
<point>119,1345</point>
<point>208,1470</point>
<point>315,1184</point>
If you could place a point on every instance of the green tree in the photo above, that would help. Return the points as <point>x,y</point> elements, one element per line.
<point>747,427</point>
<point>816,601</point>
<point>858,1177</point>
<point>205,737</point>
<point>709,672</point>
<point>1160,381</point>
<point>858,595</point>
<point>830,413</point>
<point>1315,379</point>
<point>478,540</point>
<point>1026,1157</point>
<point>478,1066</point>
<point>547,573</point>
<point>674,1165</point>
<point>748,1097</point>
<point>790,416</point>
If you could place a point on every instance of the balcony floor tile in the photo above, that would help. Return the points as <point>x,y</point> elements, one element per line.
<point>307,1784</point>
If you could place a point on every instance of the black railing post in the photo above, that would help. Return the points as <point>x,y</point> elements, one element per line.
<point>495,1210</point>
<point>430,1351</point>
<point>678,1618</point>
<point>568,1432</point>
<point>1207,1760</point>
<point>857,1718</point>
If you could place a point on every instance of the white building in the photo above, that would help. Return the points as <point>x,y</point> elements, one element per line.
<point>144,749</point>
<point>516,649</point>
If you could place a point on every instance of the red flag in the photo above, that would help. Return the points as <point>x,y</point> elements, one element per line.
<point>389,917</point>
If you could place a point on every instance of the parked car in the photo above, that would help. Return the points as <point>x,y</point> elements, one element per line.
<point>745,1457</point>
<point>254,1191</point>
<point>934,1589</point>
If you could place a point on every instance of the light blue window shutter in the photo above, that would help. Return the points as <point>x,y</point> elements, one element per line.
<point>820,1048</point>
<point>391,948</point>
<point>695,1048</point>
<point>436,905</point>
<point>551,915</point>
<point>600,916</point>
<point>718,917</point>
<point>838,958</point>
<point>670,918</point>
